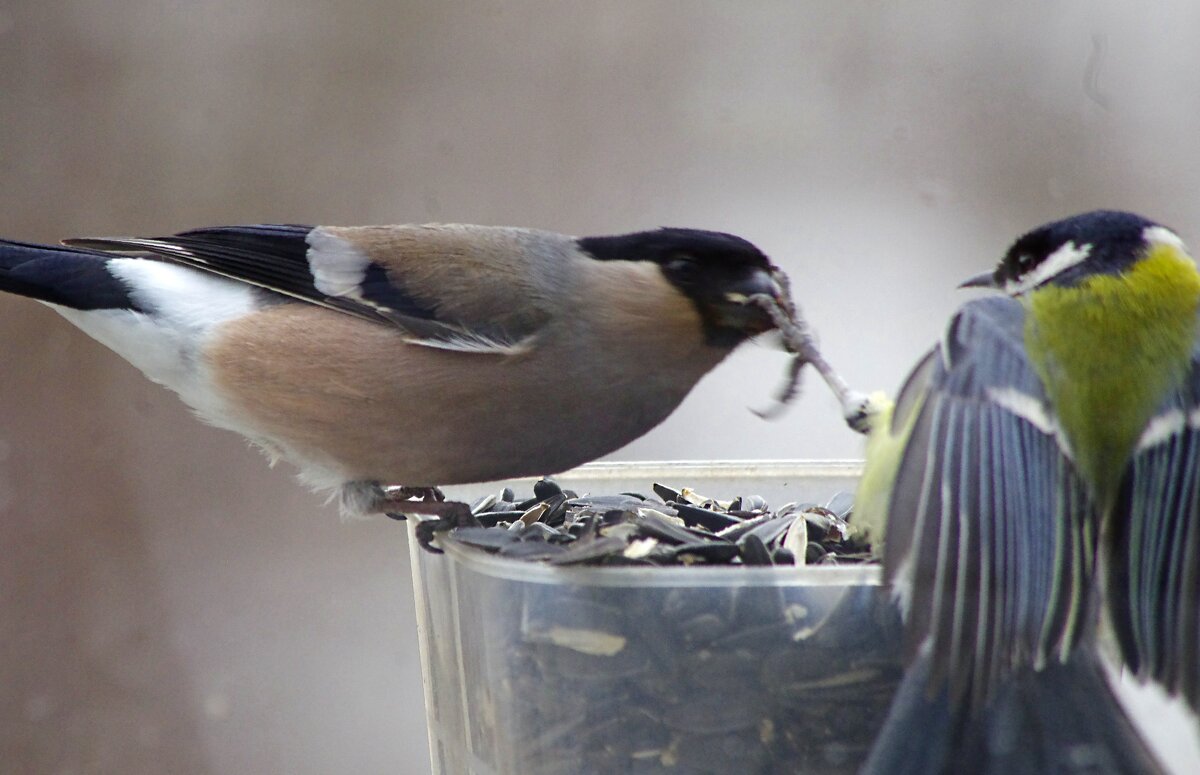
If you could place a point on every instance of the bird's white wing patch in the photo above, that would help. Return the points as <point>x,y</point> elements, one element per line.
<point>338,267</point>
<point>902,584</point>
<point>1163,427</point>
<point>1025,406</point>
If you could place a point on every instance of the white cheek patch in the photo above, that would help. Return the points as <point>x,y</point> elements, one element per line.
<point>1054,264</point>
<point>338,267</point>
<point>1161,235</point>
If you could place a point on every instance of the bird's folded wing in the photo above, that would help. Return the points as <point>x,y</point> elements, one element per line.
<point>1153,576</point>
<point>450,287</point>
<point>990,532</point>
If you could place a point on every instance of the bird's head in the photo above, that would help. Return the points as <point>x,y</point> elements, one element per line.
<point>1065,252</point>
<point>724,276</point>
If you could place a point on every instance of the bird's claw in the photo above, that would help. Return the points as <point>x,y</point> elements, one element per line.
<point>404,494</point>
<point>857,411</point>
<point>439,514</point>
<point>798,340</point>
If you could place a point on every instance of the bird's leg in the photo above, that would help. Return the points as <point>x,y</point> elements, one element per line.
<point>401,502</point>
<point>798,339</point>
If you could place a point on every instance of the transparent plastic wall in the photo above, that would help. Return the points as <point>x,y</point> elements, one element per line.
<point>530,668</point>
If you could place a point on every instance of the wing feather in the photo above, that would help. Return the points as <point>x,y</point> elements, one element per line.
<point>1153,573</point>
<point>277,257</point>
<point>988,522</point>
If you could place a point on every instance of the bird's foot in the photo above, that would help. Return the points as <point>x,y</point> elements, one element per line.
<point>431,504</point>
<point>798,340</point>
<point>858,409</point>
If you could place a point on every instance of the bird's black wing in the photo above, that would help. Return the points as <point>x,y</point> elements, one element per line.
<point>990,532</point>
<point>272,256</point>
<point>276,257</point>
<point>1153,573</point>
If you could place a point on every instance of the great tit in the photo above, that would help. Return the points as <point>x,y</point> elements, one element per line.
<point>1038,475</point>
<point>419,355</point>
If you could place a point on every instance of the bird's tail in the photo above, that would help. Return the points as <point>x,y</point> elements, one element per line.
<point>68,277</point>
<point>1061,719</point>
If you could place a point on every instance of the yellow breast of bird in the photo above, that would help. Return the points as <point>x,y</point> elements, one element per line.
<point>1109,349</point>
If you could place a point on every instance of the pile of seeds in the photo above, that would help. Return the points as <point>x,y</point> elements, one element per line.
<point>748,675</point>
<point>672,527</point>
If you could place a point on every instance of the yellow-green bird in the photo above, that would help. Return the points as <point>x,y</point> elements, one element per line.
<point>1038,475</point>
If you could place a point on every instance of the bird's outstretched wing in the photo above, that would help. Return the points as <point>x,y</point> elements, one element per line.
<point>440,284</point>
<point>1153,573</point>
<point>990,533</point>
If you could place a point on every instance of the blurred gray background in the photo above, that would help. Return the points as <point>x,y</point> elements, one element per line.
<point>168,603</point>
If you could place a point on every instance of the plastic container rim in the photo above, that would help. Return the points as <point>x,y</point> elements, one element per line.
<point>715,469</point>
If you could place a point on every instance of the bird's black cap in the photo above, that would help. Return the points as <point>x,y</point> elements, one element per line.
<point>708,267</point>
<point>1112,240</point>
<point>663,245</point>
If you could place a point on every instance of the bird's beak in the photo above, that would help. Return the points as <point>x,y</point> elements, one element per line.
<point>738,310</point>
<point>984,280</point>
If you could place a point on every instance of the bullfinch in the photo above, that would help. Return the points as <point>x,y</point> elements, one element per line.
<point>375,357</point>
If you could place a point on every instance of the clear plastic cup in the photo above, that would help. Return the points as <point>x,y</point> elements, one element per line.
<point>531,669</point>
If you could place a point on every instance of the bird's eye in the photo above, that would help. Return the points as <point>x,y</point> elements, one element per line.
<point>681,264</point>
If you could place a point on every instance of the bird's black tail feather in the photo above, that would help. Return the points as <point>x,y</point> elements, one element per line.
<point>66,276</point>
<point>1061,719</point>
